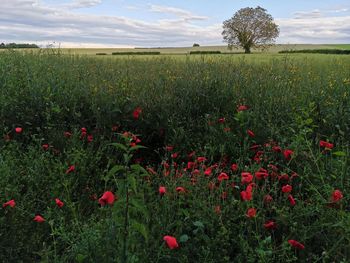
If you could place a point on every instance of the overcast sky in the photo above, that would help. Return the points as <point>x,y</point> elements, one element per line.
<point>155,23</point>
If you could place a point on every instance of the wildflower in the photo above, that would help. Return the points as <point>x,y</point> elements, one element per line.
<point>39,219</point>
<point>260,175</point>
<point>268,199</point>
<point>326,145</point>
<point>180,189</point>
<point>242,108</point>
<point>337,195</point>
<point>217,209</point>
<point>59,203</point>
<point>251,133</point>
<point>291,200</point>
<point>171,242</point>
<point>169,148</point>
<point>18,129</point>
<point>136,113</point>
<point>45,147</point>
<point>246,195</point>
<point>296,244</point>
<point>223,176</point>
<point>246,178</point>
<point>277,149</point>
<point>270,225</point>
<point>201,159</point>
<point>221,120</point>
<point>174,155</point>
<point>191,154</point>
<point>107,198</point>
<point>10,203</point>
<point>162,190</point>
<point>251,212</point>
<point>208,171</point>
<point>287,188</point>
<point>90,138</point>
<point>67,134</point>
<point>234,167</point>
<point>288,154</point>
<point>70,169</point>
<point>190,165</point>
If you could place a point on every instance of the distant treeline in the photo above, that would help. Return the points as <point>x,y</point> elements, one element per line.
<point>319,51</point>
<point>204,52</point>
<point>15,45</point>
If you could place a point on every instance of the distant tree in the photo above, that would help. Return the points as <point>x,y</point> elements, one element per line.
<point>250,28</point>
<point>195,45</point>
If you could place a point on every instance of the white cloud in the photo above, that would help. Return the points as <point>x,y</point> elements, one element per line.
<point>176,11</point>
<point>82,4</point>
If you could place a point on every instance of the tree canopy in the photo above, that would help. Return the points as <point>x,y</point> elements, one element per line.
<point>250,28</point>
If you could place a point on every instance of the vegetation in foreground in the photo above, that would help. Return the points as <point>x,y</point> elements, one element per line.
<point>243,161</point>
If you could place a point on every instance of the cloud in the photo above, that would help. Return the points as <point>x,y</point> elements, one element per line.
<point>82,4</point>
<point>176,11</point>
<point>308,14</point>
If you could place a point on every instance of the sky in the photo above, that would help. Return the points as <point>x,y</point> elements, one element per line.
<point>155,23</point>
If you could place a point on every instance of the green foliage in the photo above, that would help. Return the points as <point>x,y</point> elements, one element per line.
<point>196,52</point>
<point>137,53</point>
<point>319,51</point>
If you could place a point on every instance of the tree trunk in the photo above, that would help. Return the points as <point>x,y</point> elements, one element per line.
<point>247,49</point>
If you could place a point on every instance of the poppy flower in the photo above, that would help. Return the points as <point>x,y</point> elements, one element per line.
<point>136,113</point>
<point>288,154</point>
<point>90,138</point>
<point>270,225</point>
<point>39,219</point>
<point>59,203</point>
<point>261,175</point>
<point>291,200</point>
<point>268,199</point>
<point>191,154</point>
<point>251,212</point>
<point>221,120</point>
<point>174,155</point>
<point>208,171</point>
<point>10,203</point>
<point>223,176</point>
<point>107,198</point>
<point>326,145</point>
<point>180,189</point>
<point>162,190</point>
<point>70,169</point>
<point>246,178</point>
<point>251,133</point>
<point>83,130</point>
<point>277,149</point>
<point>45,147</point>
<point>242,108</point>
<point>201,159</point>
<point>246,195</point>
<point>18,129</point>
<point>190,165</point>
<point>234,167</point>
<point>171,242</point>
<point>296,244</point>
<point>337,195</point>
<point>287,188</point>
<point>67,134</point>
<point>169,148</point>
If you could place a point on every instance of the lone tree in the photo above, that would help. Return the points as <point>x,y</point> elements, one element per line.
<point>250,28</point>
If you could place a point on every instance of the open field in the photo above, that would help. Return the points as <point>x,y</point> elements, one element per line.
<point>246,157</point>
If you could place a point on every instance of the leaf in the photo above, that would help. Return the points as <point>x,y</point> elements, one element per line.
<point>134,148</point>
<point>114,170</point>
<point>339,153</point>
<point>140,228</point>
<point>80,258</point>
<point>132,183</point>
<point>198,224</point>
<point>120,146</point>
<point>184,238</point>
<point>139,207</point>
<point>139,168</point>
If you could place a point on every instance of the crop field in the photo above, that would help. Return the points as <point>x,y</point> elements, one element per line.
<point>208,158</point>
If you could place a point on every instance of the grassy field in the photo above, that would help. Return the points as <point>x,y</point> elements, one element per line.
<point>217,158</point>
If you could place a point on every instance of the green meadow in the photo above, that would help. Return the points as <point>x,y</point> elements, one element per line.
<point>174,157</point>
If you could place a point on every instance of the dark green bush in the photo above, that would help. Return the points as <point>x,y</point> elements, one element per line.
<point>319,51</point>
<point>195,52</point>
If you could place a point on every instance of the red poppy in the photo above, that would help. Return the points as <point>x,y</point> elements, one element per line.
<point>246,178</point>
<point>221,120</point>
<point>251,133</point>
<point>268,199</point>
<point>136,113</point>
<point>242,108</point>
<point>288,154</point>
<point>180,189</point>
<point>234,167</point>
<point>90,138</point>
<point>190,165</point>
<point>201,159</point>
<point>208,171</point>
<point>246,195</point>
<point>10,203</point>
<point>83,130</point>
<point>337,195</point>
<point>174,155</point>
<point>277,149</point>
<point>39,219</point>
<point>59,203</point>
<point>162,190</point>
<point>326,145</point>
<point>223,176</point>
<point>107,198</point>
<point>296,244</point>
<point>70,169</point>
<point>270,225</point>
<point>291,200</point>
<point>251,212</point>
<point>261,175</point>
<point>171,242</point>
<point>45,147</point>
<point>67,134</point>
<point>18,129</point>
<point>287,188</point>
<point>169,148</point>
